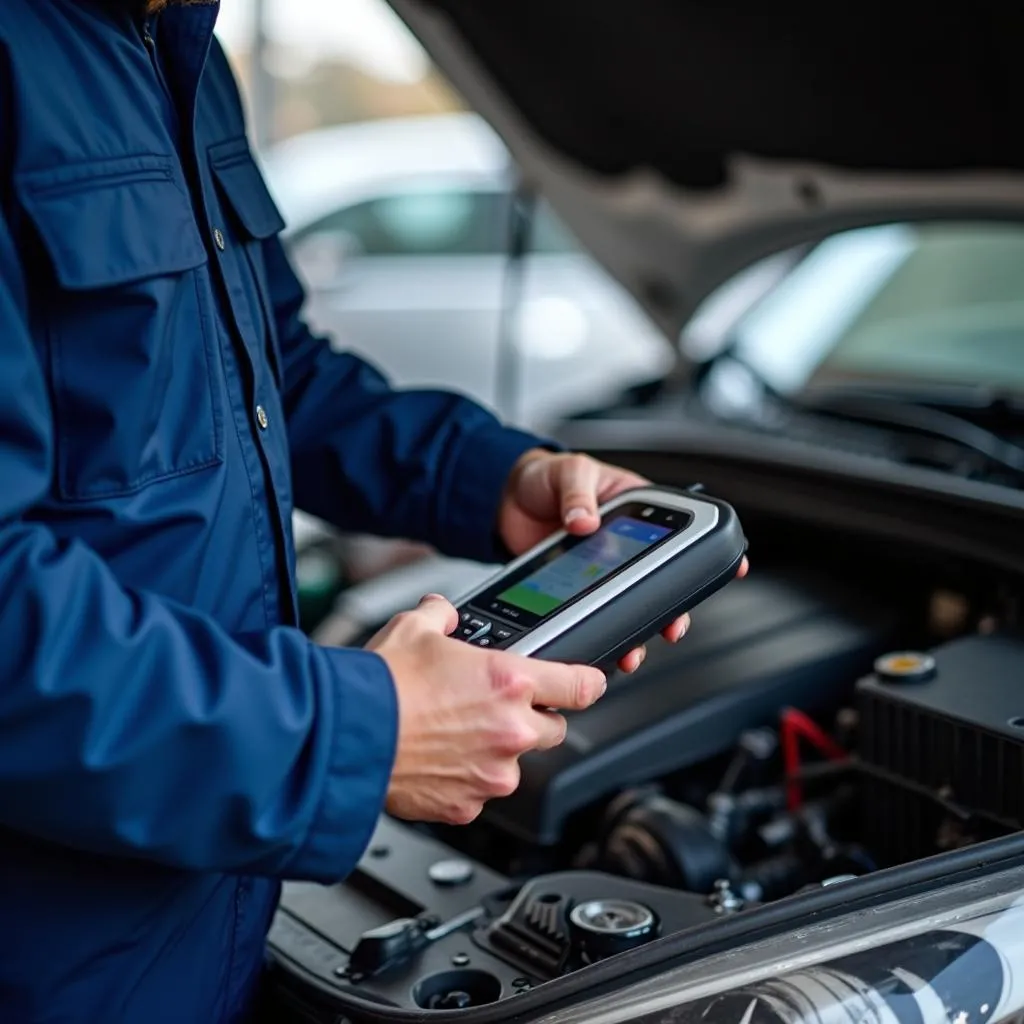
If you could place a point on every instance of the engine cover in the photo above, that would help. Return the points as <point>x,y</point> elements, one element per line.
<point>761,643</point>
<point>944,757</point>
<point>418,927</point>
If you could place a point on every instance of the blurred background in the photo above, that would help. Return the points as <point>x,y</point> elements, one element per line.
<point>326,62</point>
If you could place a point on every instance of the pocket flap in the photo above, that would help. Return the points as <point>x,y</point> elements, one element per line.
<point>106,223</point>
<point>244,189</point>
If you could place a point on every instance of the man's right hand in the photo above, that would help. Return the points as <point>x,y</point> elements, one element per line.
<point>466,715</point>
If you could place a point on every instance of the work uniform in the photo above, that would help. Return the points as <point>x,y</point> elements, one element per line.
<point>170,743</point>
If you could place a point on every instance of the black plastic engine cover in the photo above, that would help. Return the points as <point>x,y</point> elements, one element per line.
<point>419,927</point>
<point>762,643</point>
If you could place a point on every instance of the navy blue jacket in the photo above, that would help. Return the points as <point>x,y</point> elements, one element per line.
<point>171,744</point>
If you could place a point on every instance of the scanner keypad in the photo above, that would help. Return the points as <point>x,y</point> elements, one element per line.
<point>480,631</point>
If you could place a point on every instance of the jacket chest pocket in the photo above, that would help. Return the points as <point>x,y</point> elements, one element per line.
<point>125,318</point>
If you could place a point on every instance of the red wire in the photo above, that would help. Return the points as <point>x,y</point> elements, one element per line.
<point>793,725</point>
<point>815,735</point>
<point>791,761</point>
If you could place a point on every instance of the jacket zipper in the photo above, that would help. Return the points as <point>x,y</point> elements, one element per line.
<point>149,42</point>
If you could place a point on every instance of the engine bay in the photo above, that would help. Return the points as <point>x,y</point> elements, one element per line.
<point>809,732</point>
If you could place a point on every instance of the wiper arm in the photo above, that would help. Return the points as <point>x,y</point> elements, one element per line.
<point>945,413</point>
<point>927,411</point>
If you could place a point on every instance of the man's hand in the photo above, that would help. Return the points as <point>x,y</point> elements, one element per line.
<point>547,492</point>
<point>466,715</point>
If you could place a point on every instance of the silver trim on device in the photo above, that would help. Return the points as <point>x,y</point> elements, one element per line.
<point>705,518</point>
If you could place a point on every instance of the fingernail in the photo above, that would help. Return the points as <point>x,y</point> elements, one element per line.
<point>576,513</point>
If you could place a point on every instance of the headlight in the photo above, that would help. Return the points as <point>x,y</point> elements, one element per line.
<point>955,956</point>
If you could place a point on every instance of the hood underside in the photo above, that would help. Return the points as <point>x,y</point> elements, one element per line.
<point>682,141</point>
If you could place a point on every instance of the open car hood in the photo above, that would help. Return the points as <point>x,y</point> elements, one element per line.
<point>684,140</point>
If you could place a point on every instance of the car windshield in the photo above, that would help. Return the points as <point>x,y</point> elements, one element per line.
<point>901,303</point>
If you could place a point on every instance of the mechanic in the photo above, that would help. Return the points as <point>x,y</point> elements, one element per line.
<point>171,744</point>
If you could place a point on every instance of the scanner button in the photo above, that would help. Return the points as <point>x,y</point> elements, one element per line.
<point>481,641</point>
<point>473,630</point>
<point>501,634</point>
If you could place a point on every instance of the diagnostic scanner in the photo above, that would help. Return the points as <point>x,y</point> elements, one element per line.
<point>590,600</point>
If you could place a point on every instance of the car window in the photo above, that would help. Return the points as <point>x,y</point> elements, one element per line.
<point>438,222</point>
<point>930,303</point>
<point>421,222</point>
<point>954,307</point>
<point>549,234</point>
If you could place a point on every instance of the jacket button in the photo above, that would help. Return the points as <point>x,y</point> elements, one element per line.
<point>218,239</point>
<point>261,417</point>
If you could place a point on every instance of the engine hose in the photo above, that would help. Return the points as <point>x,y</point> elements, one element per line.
<point>773,878</point>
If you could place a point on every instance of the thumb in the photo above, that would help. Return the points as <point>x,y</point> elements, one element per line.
<point>437,613</point>
<point>577,493</point>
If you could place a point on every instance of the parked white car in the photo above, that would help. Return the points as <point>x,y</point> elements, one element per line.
<point>400,230</point>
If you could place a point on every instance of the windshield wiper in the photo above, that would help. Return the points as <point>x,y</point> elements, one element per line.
<point>972,419</point>
<point>945,414</point>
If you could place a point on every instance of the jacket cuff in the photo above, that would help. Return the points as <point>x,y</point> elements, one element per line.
<point>362,755</point>
<point>469,519</point>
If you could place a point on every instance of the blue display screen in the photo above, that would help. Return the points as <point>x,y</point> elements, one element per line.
<point>581,566</point>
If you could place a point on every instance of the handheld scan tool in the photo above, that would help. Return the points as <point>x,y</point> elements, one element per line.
<point>658,553</point>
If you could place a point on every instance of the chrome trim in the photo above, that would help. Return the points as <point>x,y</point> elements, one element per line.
<point>705,519</point>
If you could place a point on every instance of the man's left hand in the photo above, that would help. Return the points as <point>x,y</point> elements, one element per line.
<point>548,491</point>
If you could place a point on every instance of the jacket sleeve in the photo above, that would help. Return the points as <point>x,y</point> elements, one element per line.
<point>426,465</point>
<point>133,727</point>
